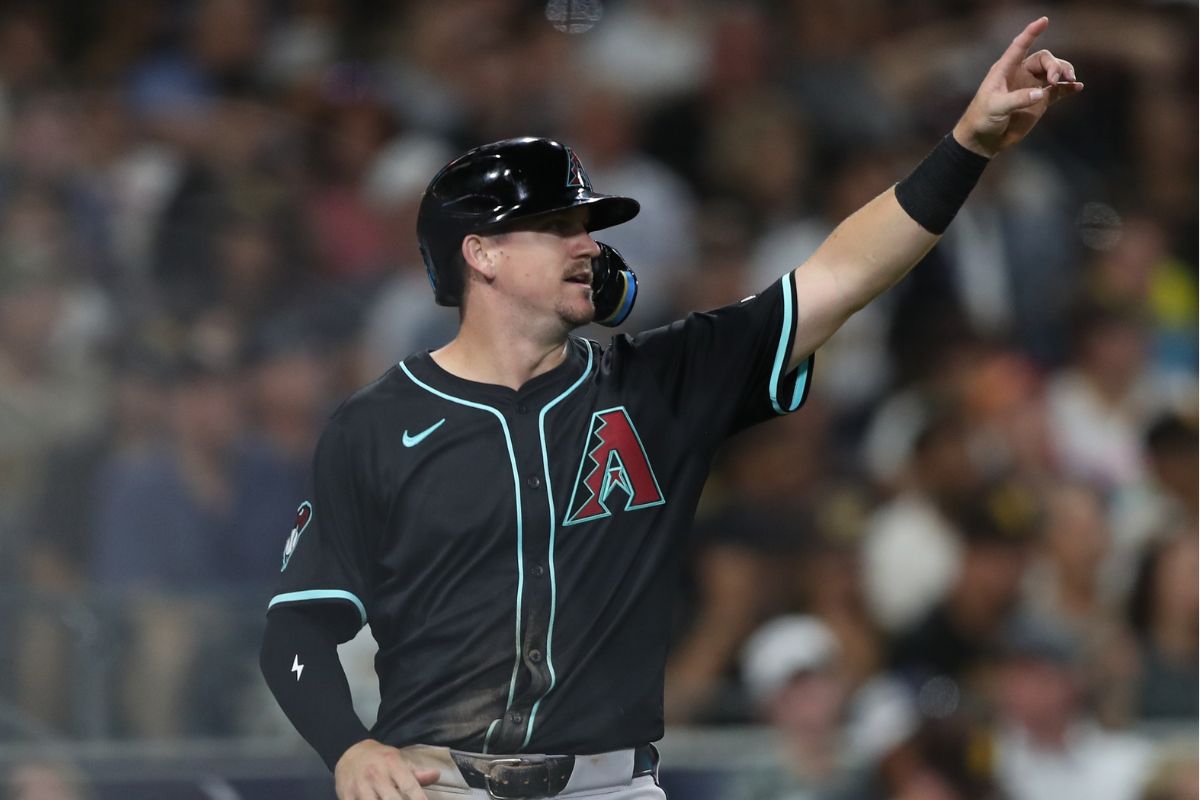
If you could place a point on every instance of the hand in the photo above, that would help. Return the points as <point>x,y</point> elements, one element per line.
<point>1015,93</point>
<point>370,770</point>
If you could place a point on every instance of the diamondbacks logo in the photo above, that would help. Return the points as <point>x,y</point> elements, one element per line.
<point>613,459</point>
<point>303,517</point>
<point>576,177</point>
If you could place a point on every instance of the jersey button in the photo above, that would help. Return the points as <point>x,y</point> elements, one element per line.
<point>538,570</point>
<point>535,656</point>
<point>534,482</point>
<point>522,408</point>
<point>516,718</point>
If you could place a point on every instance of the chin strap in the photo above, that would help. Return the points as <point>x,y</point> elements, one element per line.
<point>614,287</point>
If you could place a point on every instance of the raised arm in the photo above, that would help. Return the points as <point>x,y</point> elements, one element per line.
<point>877,245</point>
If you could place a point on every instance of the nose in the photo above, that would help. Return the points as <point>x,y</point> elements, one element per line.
<point>585,246</point>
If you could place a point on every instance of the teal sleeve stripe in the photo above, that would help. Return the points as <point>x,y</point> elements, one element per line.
<point>786,335</point>
<point>320,594</point>
<point>801,388</point>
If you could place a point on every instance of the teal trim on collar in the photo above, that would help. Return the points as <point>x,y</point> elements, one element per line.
<point>320,594</point>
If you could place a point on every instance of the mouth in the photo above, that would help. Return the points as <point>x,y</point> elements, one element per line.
<point>583,278</point>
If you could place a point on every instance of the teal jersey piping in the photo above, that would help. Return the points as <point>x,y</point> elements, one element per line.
<point>786,336</point>
<point>320,594</point>
<point>553,530</point>
<point>487,737</point>
<point>512,459</point>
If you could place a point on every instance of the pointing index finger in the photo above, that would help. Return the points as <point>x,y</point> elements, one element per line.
<point>1016,51</point>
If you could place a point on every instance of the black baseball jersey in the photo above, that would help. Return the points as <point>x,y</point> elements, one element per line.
<point>516,553</point>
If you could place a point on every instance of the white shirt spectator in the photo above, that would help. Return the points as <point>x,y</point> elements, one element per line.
<point>911,556</point>
<point>1097,440</point>
<point>651,50</point>
<point>1094,764</point>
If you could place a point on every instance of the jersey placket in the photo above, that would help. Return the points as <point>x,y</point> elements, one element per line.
<point>531,675</point>
<point>534,674</point>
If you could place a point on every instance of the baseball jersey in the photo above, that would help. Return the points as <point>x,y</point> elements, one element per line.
<point>516,552</point>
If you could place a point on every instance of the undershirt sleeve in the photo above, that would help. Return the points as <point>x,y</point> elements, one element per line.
<point>300,663</point>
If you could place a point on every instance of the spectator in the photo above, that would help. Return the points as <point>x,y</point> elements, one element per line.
<point>746,560</point>
<point>656,49</point>
<point>401,317</point>
<point>1065,588</point>
<point>912,548</point>
<point>1063,584</point>
<point>791,669</point>
<point>1102,401</point>
<point>1163,614</point>
<point>1049,746</point>
<point>52,388</point>
<point>738,67</point>
<point>348,133</point>
<point>178,522</point>
<point>956,637</point>
<point>1164,500</point>
<point>51,663</point>
<point>231,240</point>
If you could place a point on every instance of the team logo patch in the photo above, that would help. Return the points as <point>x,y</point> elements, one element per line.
<point>613,459</point>
<point>303,517</point>
<point>576,176</point>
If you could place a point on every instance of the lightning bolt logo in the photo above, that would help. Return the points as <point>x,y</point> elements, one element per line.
<point>297,667</point>
<point>617,461</point>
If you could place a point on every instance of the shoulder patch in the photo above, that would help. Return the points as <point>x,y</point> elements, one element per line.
<point>303,517</point>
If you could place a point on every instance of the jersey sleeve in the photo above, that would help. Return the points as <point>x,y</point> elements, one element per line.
<point>724,370</point>
<point>326,558</point>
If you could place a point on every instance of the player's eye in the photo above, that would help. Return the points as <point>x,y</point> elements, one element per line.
<point>559,226</point>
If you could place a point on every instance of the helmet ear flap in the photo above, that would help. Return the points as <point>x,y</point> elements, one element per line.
<point>614,287</point>
<point>430,272</point>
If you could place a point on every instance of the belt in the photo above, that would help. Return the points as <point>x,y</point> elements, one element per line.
<point>526,777</point>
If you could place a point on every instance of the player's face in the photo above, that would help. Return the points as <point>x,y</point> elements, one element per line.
<point>548,266</point>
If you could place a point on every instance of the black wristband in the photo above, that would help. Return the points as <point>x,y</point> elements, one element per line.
<point>939,185</point>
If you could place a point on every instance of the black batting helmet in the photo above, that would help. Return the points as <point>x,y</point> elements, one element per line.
<point>489,187</point>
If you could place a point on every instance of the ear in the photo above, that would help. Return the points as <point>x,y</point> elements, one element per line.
<point>477,253</point>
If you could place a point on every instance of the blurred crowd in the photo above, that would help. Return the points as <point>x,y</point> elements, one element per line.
<point>966,569</point>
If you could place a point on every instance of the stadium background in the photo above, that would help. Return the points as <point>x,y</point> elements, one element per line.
<point>206,240</point>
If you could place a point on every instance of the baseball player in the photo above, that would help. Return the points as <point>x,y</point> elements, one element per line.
<point>507,512</point>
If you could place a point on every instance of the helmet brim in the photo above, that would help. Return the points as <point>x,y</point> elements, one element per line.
<point>604,211</point>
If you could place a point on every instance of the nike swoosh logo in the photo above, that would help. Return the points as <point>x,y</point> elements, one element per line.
<point>413,441</point>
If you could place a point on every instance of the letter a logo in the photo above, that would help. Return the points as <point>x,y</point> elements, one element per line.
<point>577,177</point>
<point>613,458</point>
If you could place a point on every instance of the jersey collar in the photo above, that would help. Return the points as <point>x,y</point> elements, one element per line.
<point>535,391</point>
